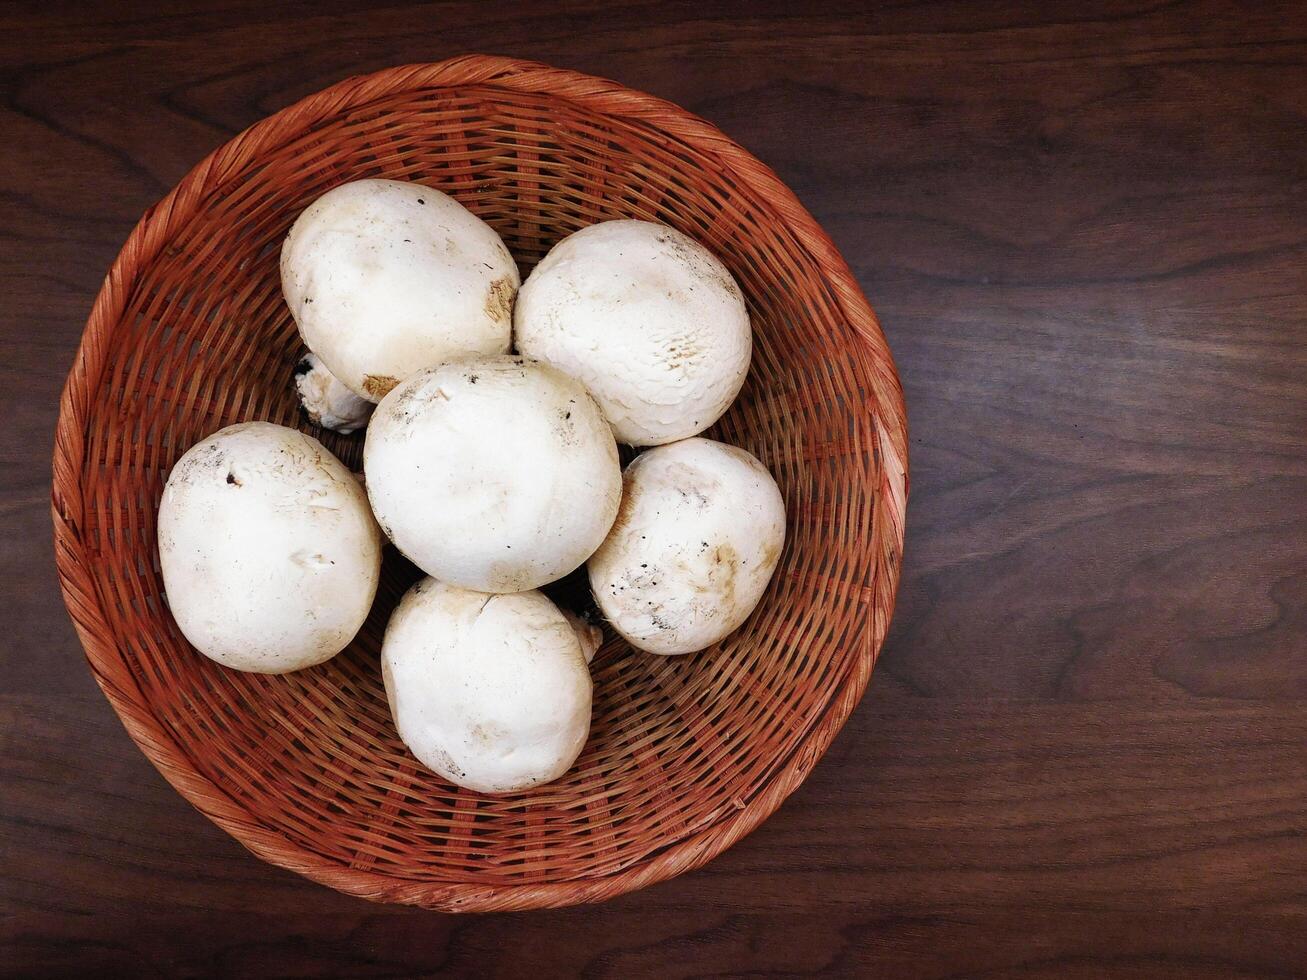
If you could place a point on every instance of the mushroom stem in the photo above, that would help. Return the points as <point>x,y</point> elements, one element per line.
<point>591,637</point>
<point>326,401</point>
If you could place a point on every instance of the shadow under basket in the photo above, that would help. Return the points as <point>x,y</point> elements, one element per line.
<point>686,754</point>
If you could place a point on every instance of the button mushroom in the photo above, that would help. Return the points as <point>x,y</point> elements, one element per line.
<point>490,691</point>
<point>696,541</point>
<point>269,553</point>
<point>493,473</point>
<point>385,277</point>
<point>646,318</point>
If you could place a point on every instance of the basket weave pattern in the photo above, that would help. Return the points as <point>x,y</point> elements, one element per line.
<point>686,754</point>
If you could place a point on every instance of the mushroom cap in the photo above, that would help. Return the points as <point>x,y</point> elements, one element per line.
<point>490,691</point>
<point>269,553</point>
<point>648,319</point>
<point>384,277</point>
<point>493,473</point>
<point>695,543</point>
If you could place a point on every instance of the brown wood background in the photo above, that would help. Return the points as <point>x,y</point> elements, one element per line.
<point>1083,752</point>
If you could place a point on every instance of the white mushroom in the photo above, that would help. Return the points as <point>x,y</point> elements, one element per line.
<point>385,277</point>
<point>326,401</point>
<point>647,318</point>
<point>489,691</point>
<point>695,543</point>
<point>493,473</point>
<point>590,636</point>
<point>269,554</point>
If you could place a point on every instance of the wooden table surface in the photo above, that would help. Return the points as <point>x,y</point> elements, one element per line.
<point>1082,753</point>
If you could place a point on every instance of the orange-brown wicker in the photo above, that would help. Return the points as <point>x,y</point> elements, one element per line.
<point>686,754</point>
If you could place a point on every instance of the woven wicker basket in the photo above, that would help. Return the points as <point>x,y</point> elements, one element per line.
<point>686,754</point>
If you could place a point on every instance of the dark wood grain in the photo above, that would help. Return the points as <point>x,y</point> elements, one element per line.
<point>1083,226</point>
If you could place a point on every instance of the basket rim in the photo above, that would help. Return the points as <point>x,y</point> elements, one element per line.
<point>85,603</point>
